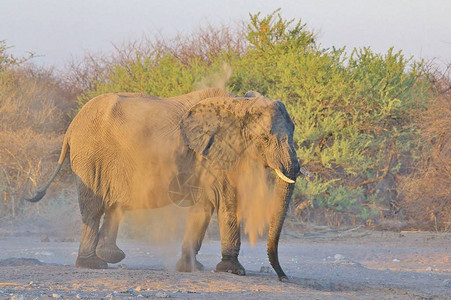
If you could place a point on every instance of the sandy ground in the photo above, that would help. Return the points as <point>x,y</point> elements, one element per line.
<point>359,265</point>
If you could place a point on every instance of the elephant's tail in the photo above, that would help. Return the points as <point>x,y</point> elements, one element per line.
<point>40,193</point>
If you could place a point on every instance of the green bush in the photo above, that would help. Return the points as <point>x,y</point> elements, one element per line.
<point>353,114</point>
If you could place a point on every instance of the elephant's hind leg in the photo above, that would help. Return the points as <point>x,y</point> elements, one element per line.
<point>91,209</point>
<point>107,249</point>
<point>197,223</point>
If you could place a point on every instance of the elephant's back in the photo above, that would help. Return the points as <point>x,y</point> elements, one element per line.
<point>114,114</point>
<point>111,107</point>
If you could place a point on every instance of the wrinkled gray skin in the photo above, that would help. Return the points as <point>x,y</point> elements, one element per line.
<point>126,148</point>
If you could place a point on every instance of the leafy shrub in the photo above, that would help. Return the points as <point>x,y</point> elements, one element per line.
<point>353,115</point>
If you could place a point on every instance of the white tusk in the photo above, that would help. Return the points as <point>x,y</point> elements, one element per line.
<point>283,177</point>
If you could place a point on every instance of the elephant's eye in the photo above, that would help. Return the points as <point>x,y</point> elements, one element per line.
<point>266,139</point>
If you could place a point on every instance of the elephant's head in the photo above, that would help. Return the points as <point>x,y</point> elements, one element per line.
<point>226,130</point>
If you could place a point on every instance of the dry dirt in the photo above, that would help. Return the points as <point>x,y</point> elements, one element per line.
<point>332,265</point>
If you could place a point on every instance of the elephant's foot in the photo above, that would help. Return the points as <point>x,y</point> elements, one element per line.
<point>109,253</point>
<point>188,265</point>
<point>91,262</point>
<point>231,265</point>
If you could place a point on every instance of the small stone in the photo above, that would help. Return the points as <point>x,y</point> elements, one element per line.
<point>429,269</point>
<point>45,238</point>
<point>130,291</point>
<point>265,269</point>
<point>339,257</point>
<point>138,288</point>
<point>122,266</point>
<point>31,283</point>
<point>396,260</point>
<point>56,296</point>
<point>162,295</point>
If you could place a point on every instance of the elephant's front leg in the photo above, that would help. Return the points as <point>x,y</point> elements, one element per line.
<point>229,228</point>
<point>107,249</point>
<point>198,219</point>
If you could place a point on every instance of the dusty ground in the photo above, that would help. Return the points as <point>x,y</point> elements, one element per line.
<point>332,265</point>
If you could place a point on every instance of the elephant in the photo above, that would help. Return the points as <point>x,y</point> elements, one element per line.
<point>127,148</point>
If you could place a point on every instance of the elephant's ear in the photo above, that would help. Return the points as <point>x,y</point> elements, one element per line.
<point>212,128</point>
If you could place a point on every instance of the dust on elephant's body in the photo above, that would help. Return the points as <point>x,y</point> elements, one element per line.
<point>129,150</point>
<point>126,148</point>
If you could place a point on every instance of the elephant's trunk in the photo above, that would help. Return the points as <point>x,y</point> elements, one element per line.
<point>283,192</point>
<point>286,165</point>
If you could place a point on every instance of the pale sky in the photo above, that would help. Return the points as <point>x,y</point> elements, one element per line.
<point>60,29</point>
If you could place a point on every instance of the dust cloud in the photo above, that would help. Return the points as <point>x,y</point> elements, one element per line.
<point>255,199</point>
<point>254,186</point>
<point>161,228</point>
<point>217,79</point>
<point>157,218</point>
